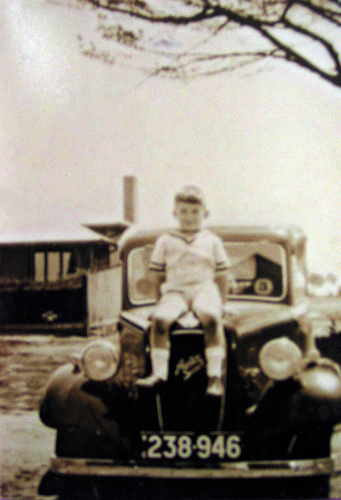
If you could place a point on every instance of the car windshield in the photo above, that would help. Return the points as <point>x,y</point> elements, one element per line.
<point>259,267</point>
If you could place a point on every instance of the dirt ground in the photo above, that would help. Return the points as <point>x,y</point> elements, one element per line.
<point>26,362</point>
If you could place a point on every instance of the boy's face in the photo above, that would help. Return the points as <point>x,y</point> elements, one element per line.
<point>189,215</point>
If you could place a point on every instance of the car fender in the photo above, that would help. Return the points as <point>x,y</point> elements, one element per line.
<point>66,403</point>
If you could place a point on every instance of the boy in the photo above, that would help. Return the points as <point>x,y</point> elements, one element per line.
<point>194,265</point>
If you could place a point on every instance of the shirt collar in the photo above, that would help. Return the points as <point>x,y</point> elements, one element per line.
<point>188,237</point>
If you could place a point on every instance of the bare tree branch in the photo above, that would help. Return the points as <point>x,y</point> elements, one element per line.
<point>272,23</point>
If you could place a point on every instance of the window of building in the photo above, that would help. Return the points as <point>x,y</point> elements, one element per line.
<point>52,266</point>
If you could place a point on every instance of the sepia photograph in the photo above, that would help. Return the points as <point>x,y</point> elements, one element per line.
<point>170,249</point>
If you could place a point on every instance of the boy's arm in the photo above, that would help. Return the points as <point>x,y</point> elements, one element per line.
<point>157,266</point>
<point>226,284</point>
<point>224,278</point>
<point>156,278</point>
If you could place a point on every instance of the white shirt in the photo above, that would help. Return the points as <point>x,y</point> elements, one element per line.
<point>189,259</point>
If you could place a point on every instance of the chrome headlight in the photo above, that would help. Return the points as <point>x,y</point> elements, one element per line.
<point>100,360</point>
<point>322,380</point>
<point>280,358</point>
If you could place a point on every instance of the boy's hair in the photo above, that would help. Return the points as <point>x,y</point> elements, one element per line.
<point>191,194</point>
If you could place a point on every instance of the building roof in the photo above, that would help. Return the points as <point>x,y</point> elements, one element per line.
<point>60,233</point>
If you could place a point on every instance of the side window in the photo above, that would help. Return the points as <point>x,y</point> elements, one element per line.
<point>52,266</point>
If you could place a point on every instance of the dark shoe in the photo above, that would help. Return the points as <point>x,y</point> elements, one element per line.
<point>150,381</point>
<point>215,387</point>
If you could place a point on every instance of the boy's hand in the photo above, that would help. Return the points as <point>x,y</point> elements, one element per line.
<point>236,288</point>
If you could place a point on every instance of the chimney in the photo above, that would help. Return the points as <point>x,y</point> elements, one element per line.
<point>129,198</point>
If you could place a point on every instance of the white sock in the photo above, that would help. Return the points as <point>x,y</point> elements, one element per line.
<point>215,357</point>
<point>160,360</point>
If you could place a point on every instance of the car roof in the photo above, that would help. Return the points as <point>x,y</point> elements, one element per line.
<point>292,236</point>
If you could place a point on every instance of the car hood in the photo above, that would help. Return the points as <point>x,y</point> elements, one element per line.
<point>243,316</point>
<point>247,317</point>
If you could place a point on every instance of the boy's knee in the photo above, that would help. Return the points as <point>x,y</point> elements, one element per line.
<point>162,325</point>
<point>208,321</point>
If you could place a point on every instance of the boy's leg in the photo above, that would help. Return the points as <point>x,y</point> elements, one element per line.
<point>207,306</point>
<point>215,352</point>
<point>159,353</point>
<point>170,307</point>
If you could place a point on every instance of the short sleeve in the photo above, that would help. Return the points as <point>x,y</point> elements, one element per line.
<point>158,258</point>
<point>222,262</point>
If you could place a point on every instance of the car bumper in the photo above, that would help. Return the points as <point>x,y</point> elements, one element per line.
<point>227,470</point>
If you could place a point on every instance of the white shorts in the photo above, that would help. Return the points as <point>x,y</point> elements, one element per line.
<point>202,299</point>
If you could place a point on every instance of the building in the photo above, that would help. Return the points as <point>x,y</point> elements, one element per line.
<point>63,278</point>
<point>48,282</point>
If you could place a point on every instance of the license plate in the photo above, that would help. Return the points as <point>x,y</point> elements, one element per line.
<point>188,446</point>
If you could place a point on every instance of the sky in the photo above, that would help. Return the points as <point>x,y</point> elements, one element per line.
<point>263,142</point>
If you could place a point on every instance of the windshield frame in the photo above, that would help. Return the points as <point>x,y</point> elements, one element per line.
<point>148,301</point>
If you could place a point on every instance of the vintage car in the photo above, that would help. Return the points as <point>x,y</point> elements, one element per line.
<point>269,435</point>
